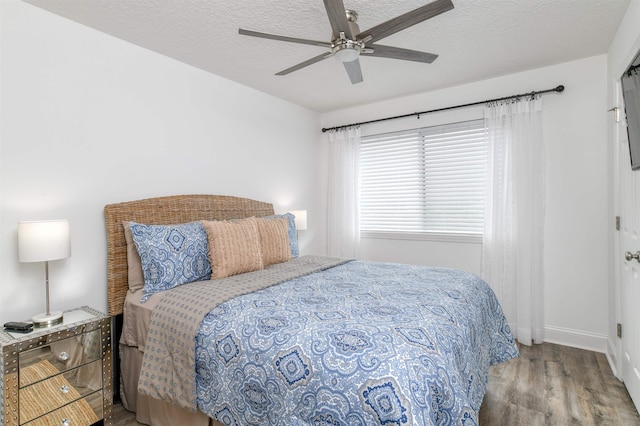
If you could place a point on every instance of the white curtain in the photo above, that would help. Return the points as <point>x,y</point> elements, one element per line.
<point>512,246</point>
<point>343,239</point>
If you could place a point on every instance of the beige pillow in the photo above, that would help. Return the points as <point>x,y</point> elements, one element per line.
<point>234,247</point>
<point>136,277</point>
<point>274,240</point>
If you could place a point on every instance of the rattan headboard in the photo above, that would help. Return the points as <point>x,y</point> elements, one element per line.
<point>163,211</point>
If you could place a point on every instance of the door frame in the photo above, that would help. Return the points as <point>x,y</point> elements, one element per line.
<point>615,132</point>
<point>615,345</point>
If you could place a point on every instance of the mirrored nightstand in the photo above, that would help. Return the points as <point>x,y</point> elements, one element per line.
<point>59,375</point>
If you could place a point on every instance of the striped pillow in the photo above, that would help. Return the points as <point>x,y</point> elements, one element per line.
<point>274,240</point>
<point>293,232</point>
<point>234,247</point>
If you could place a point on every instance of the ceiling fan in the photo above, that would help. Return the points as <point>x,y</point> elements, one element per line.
<point>348,42</point>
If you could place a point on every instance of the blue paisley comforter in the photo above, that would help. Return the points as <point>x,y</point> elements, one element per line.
<point>363,343</point>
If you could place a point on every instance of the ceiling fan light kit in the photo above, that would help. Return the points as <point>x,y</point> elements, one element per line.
<point>345,50</point>
<point>346,53</point>
<point>348,43</point>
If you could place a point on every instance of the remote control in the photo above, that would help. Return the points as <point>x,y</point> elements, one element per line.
<point>18,327</point>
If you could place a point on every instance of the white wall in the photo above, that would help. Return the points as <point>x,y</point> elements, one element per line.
<point>622,51</point>
<point>88,119</point>
<point>576,221</point>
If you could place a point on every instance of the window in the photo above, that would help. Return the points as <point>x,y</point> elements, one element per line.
<point>424,183</point>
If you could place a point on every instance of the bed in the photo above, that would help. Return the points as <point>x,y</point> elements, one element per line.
<point>308,340</point>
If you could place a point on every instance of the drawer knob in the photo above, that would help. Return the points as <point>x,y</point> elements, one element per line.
<point>64,389</point>
<point>66,422</point>
<point>63,356</point>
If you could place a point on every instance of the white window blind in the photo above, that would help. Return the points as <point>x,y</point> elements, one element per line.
<point>423,181</point>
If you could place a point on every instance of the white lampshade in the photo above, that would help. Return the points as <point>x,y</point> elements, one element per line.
<point>43,240</point>
<point>301,219</point>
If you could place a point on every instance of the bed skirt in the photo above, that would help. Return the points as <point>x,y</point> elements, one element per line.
<point>151,411</point>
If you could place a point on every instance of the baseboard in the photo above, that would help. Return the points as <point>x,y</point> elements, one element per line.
<point>576,339</point>
<point>612,358</point>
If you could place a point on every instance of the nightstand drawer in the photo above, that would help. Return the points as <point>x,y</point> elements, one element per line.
<point>50,394</point>
<point>61,356</point>
<point>80,413</point>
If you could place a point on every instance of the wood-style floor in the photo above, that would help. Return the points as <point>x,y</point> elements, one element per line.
<point>556,385</point>
<point>547,385</point>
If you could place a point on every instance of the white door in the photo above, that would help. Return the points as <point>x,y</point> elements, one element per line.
<point>628,199</point>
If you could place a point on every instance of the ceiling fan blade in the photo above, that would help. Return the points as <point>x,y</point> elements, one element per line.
<point>354,71</point>
<point>338,18</point>
<point>305,63</point>
<point>401,22</point>
<point>381,51</point>
<point>283,38</point>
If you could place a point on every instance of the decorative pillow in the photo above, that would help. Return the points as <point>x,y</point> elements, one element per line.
<point>274,240</point>
<point>293,233</point>
<point>171,255</point>
<point>134,265</point>
<point>234,247</point>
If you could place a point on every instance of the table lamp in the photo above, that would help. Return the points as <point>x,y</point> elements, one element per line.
<point>300,219</point>
<point>44,241</point>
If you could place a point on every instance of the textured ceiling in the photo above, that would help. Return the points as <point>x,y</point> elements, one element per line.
<point>476,40</point>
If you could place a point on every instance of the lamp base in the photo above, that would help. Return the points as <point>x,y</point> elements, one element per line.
<point>44,320</point>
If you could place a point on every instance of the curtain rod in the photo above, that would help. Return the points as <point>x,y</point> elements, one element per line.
<point>558,89</point>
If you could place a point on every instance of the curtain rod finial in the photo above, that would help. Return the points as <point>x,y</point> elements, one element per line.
<point>560,89</point>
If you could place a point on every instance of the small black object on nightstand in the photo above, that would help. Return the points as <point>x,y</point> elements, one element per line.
<point>18,327</point>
